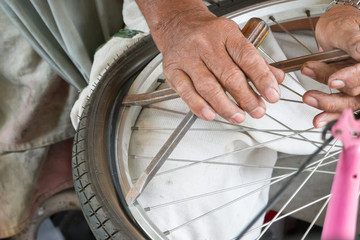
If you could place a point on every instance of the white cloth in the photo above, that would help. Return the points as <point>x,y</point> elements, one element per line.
<point>133,19</point>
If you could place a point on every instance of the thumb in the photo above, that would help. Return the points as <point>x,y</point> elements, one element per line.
<point>339,28</point>
<point>351,43</point>
<point>343,22</point>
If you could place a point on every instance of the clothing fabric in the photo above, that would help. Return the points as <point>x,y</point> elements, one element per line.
<point>66,33</point>
<point>34,116</point>
<point>35,100</point>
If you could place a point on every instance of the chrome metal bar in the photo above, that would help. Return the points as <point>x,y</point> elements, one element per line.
<point>289,65</point>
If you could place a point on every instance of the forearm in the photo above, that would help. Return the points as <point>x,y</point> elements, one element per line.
<point>162,15</point>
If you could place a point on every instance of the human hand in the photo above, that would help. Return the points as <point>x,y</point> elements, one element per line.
<point>204,56</point>
<point>337,28</point>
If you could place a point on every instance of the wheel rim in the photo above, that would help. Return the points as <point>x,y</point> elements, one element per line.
<point>148,80</point>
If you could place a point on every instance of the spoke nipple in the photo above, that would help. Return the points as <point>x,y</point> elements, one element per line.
<point>147,209</point>
<point>272,18</point>
<point>307,12</point>
<point>166,232</point>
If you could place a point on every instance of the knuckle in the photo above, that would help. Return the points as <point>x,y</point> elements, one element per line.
<point>199,41</point>
<point>231,79</point>
<point>202,41</point>
<point>248,103</point>
<point>246,57</point>
<point>181,87</point>
<point>187,96</point>
<point>331,107</point>
<point>227,25</point>
<point>169,68</point>
<point>209,89</point>
<point>262,80</point>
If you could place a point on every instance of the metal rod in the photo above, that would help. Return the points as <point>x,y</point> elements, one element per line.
<point>289,33</point>
<point>289,65</point>
<point>160,158</point>
<point>312,26</point>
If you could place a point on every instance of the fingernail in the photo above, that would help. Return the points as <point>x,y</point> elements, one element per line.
<point>337,84</point>
<point>321,124</point>
<point>237,118</point>
<point>311,101</point>
<point>308,72</point>
<point>323,120</point>
<point>207,113</point>
<point>257,112</point>
<point>272,95</point>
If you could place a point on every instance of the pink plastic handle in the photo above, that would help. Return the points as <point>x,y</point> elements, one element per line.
<point>341,214</point>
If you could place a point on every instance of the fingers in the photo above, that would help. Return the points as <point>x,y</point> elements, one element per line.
<point>347,80</point>
<point>320,71</point>
<point>323,118</point>
<point>339,76</point>
<point>255,67</point>
<point>331,104</point>
<point>335,102</point>
<point>182,84</point>
<point>209,88</point>
<point>279,74</point>
<point>208,65</point>
<point>235,82</point>
<point>339,28</point>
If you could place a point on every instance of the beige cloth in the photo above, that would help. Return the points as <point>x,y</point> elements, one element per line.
<point>34,114</point>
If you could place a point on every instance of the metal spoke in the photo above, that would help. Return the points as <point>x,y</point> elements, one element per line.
<point>290,100</point>
<point>284,176</point>
<point>312,26</point>
<point>289,33</point>
<point>239,128</point>
<point>160,158</point>
<point>254,129</point>
<point>290,199</point>
<point>248,194</point>
<point>222,155</point>
<point>316,217</point>
<point>289,213</point>
<point>322,208</point>
<point>227,154</point>
<point>274,119</point>
<point>287,74</point>
<point>215,192</point>
<point>235,164</point>
<point>206,161</point>
<point>222,206</point>
<point>290,89</point>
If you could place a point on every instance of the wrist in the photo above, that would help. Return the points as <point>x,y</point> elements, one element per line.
<point>179,25</point>
<point>169,20</point>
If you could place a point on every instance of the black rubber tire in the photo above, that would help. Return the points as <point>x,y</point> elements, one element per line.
<point>103,209</point>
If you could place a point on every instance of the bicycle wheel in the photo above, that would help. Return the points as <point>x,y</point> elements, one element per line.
<point>236,163</point>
